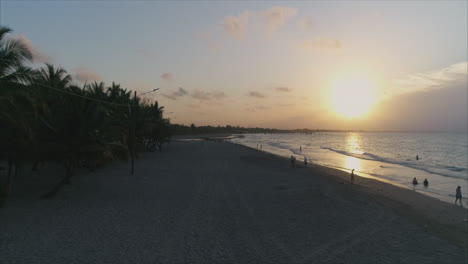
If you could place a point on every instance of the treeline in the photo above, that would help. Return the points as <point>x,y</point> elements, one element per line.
<point>45,117</point>
<point>193,129</point>
<point>228,129</point>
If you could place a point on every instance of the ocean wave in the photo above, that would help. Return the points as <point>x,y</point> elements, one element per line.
<point>453,168</point>
<point>285,147</point>
<point>439,170</point>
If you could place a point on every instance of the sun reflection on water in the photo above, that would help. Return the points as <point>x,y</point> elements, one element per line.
<point>352,163</point>
<point>353,145</point>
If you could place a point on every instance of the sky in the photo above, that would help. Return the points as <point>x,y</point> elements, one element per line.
<point>370,65</point>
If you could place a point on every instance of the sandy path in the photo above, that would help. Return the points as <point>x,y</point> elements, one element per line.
<point>213,203</point>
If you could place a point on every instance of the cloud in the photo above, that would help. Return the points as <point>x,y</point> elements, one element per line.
<point>272,19</point>
<point>236,26</point>
<point>169,96</point>
<point>203,95</point>
<point>276,16</point>
<point>174,95</point>
<point>256,107</point>
<point>437,79</point>
<point>306,23</point>
<point>256,94</point>
<point>84,74</point>
<point>38,55</point>
<point>431,110</point>
<point>219,95</point>
<point>193,106</point>
<point>323,43</point>
<point>167,76</point>
<point>181,92</point>
<point>283,89</point>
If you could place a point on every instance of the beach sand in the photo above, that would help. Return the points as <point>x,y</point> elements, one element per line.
<point>215,202</point>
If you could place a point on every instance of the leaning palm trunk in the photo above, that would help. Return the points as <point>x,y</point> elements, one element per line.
<point>134,111</point>
<point>93,152</point>
<point>6,188</point>
<point>131,148</point>
<point>131,145</point>
<point>69,170</point>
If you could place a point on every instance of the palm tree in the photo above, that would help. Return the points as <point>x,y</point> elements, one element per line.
<point>113,91</point>
<point>97,90</point>
<point>54,77</point>
<point>153,131</point>
<point>80,127</point>
<point>13,56</point>
<point>48,84</point>
<point>15,105</point>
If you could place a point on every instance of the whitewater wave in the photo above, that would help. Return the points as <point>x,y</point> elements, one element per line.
<point>453,168</point>
<point>285,147</point>
<point>406,163</point>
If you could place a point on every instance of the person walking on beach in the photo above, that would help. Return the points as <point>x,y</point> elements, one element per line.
<point>352,176</point>
<point>458,195</point>
<point>292,160</point>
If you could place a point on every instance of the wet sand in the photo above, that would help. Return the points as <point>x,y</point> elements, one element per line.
<point>213,202</point>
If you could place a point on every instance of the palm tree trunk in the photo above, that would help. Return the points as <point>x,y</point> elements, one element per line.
<point>69,166</point>
<point>133,133</point>
<point>5,190</point>
<point>131,148</point>
<point>36,164</point>
<point>133,163</point>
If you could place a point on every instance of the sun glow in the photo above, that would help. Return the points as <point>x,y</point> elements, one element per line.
<point>353,95</point>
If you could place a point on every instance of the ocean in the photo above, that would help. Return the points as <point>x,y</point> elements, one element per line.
<point>387,156</point>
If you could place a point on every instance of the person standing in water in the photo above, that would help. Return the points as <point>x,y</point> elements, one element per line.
<point>352,176</point>
<point>417,157</point>
<point>300,148</point>
<point>458,195</point>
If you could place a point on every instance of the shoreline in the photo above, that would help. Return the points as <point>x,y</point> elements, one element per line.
<point>203,137</point>
<point>445,219</point>
<point>393,173</point>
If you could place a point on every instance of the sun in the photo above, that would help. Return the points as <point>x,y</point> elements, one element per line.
<point>353,95</point>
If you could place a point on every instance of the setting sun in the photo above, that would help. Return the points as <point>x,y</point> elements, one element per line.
<point>353,95</point>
